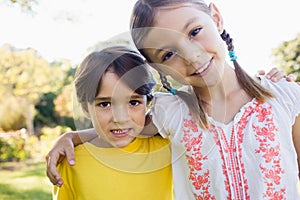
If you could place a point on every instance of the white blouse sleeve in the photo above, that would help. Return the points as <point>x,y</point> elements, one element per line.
<point>167,113</point>
<point>287,94</point>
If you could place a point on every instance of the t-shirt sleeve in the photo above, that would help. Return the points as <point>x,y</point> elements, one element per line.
<point>66,190</point>
<point>287,94</point>
<point>167,113</point>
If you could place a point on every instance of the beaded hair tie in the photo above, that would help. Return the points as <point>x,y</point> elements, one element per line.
<point>232,56</point>
<point>173,91</point>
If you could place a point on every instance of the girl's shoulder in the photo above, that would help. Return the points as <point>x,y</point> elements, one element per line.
<point>282,89</point>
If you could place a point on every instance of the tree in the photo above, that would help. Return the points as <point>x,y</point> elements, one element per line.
<point>25,76</point>
<point>25,5</point>
<point>287,56</point>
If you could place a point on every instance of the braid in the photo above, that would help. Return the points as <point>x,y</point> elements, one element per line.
<point>226,37</point>
<point>164,81</point>
<point>191,100</point>
<point>252,88</point>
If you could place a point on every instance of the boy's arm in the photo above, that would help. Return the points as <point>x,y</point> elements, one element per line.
<point>64,147</point>
<point>296,139</point>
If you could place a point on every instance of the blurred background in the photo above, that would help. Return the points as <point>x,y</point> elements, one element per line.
<point>42,42</point>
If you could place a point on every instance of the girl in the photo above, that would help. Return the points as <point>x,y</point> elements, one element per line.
<point>228,136</point>
<point>233,143</point>
<point>117,164</point>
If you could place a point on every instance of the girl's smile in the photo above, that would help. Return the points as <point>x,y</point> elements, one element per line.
<point>203,70</point>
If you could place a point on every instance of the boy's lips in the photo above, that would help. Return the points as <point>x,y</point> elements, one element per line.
<point>120,132</point>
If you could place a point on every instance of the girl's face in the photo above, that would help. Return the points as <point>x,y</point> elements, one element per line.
<point>186,44</point>
<point>118,113</point>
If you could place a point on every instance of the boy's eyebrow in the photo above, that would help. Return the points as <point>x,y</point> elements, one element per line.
<point>109,98</point>
<point>102,98</point>
<point>137,96</point>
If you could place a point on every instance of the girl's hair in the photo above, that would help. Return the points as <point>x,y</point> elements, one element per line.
<point>124,62</point>
<point>142,20</point>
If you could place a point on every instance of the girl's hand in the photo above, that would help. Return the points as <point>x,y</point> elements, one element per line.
<point>62,148</point>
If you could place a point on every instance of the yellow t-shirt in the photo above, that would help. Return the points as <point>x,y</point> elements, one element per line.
<point>140,171</point>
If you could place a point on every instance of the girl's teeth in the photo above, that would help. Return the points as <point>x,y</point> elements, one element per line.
<point>202,69</point>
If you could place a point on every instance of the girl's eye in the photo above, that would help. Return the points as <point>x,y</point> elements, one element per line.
<point>103,104</point>
<point>194,32</point>
<point>168,55</point>
<point>134,102</point>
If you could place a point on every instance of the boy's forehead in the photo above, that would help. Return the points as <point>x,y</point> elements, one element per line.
<point>112,86</point>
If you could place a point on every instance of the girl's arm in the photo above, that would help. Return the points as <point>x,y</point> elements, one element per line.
<point>296,139</point>
<point>149,128</point>
<point>64,147</point>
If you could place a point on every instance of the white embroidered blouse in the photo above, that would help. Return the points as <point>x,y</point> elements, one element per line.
<point>252,157</point>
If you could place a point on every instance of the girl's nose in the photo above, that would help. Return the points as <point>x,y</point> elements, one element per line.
<point>191,52</point>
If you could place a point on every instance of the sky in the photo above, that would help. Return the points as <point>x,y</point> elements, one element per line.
<point>65,29</point>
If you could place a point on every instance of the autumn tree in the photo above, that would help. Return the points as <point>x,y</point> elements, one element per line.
<point>287,56</point>
<point>24,77</point>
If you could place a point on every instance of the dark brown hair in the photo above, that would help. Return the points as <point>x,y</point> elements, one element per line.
<point>124,62</point>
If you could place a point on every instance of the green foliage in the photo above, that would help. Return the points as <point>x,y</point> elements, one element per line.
<point>287,56</point>
<point>18,146</point>
<point>13,148</point>
<point>45,110</point>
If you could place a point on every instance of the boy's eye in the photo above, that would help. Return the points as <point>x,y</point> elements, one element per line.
<point>168,55</point>
<point>194,32</point>
<point>134,102</point>
<point>104,104</point>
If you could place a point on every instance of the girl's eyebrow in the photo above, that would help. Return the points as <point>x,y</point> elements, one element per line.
<point>189,22</point>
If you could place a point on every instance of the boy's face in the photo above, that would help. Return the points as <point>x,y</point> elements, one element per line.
<point>118,113</point>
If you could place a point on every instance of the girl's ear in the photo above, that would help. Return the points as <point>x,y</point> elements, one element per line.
<point>216,16</point>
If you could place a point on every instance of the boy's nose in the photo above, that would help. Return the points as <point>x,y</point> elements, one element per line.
<point>120,114</point>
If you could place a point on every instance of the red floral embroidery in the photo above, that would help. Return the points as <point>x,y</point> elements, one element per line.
<point>269,149</point>
<point>231,153</point>
<point>198,176</point>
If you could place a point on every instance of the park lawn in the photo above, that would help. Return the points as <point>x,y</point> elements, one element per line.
<point>24,181</point>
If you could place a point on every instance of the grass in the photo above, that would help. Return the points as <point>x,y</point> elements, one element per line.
<point>24,181</point>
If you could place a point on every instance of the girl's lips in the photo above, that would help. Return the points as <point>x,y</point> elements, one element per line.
<point>203,70</point>
<point>120,132</point>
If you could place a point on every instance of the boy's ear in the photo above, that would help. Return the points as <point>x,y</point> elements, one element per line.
<point>154,66</point>
<point>216,16</point>
<point>85,110</point>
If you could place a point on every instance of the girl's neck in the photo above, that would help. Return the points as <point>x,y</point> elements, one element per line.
<point>225,87</point>
<point>224,100</point>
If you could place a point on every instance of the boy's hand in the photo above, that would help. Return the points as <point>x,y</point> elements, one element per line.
<point>274,74</point>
